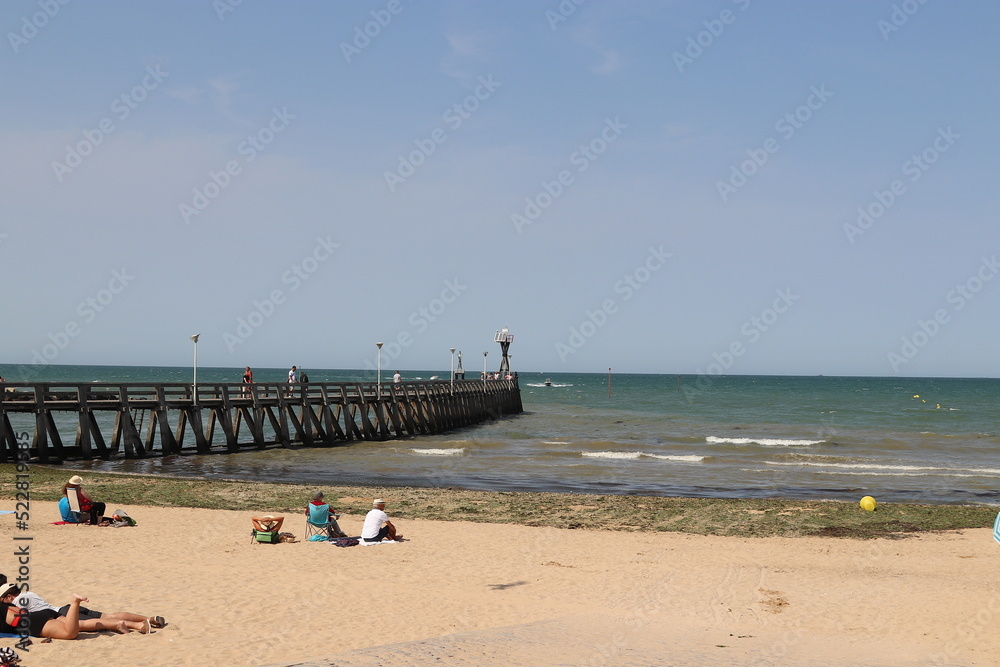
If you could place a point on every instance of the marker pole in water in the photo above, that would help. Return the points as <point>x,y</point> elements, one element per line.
<point>609,383</point>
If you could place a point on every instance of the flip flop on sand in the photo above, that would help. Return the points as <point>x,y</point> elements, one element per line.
<point>158,622</point>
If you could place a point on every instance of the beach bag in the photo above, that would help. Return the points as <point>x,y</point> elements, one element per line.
<point>345,542</point>
<point>266,537</point>
<point>121,519</point>
<point>9,656</point>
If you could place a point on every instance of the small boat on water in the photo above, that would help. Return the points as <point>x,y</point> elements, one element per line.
<point>548,382</point>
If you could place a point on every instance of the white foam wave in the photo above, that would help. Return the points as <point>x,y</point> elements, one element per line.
<point>874,468</point>
<point>554,384</point>
<point>554,442</point>
<point>612,455</point>
<point>766,442</point>
<point>454,451</point>
<point>870,473</point>
<point>692,458</point>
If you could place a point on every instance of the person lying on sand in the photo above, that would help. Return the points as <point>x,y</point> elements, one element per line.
<point>48,623</point>
<point>89,620</point>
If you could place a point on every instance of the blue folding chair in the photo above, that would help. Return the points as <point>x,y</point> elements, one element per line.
<point>318,522</point>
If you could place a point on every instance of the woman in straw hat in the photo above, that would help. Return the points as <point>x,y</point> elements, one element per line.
<point>94,511</point>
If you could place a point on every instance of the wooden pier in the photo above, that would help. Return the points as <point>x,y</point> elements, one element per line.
<point>139,420</point>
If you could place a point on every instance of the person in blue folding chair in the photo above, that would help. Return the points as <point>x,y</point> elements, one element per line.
<point>321,519</point>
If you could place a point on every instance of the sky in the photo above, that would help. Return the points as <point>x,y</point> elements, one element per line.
<point>730,186</point>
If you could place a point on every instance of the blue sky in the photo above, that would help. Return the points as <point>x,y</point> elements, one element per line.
<point>665,187</point>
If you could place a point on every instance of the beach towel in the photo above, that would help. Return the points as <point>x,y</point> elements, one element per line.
<point>372,544</point>
<point>996,529</point>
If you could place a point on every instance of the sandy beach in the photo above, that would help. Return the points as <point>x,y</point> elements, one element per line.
<point>467,593</point>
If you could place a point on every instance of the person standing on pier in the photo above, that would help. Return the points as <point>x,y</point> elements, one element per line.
<point>292,379</point>
<point>247,381</point>
<point>397,378</point>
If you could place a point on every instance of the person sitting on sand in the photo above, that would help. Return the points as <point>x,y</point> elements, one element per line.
<point>31,602</point>
<point>48,623</point>
<point>94,511</point>
<point>333,528</point>
<point>377,525</point>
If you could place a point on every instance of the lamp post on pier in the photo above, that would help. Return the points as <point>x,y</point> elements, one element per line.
<point>194,383</point>
<point>379,376</point>
<point>452,369</point>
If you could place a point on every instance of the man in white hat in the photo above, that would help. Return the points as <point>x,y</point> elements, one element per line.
<point>377,525</point>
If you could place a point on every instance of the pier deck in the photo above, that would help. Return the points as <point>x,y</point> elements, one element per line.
<point>139,420</point>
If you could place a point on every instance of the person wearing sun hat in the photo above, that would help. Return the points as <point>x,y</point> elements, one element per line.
<point>377,525</point>
<point>90,510</point>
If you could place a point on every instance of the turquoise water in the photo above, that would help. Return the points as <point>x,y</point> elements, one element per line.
<point>932,440</point>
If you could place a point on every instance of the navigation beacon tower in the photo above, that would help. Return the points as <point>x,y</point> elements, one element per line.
<point>505,338</point>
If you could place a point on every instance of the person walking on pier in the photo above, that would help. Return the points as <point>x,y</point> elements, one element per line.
<point>292,379</point>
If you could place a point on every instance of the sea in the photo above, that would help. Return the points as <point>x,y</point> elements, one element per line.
<point>919,440</point>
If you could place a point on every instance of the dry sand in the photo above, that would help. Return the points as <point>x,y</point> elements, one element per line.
<point>478,594</point>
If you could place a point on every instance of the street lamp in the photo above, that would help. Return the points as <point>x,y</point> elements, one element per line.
<point>194,384</point>
<point>484,368</point>
<point>379,383</point>
<point>452,369</point>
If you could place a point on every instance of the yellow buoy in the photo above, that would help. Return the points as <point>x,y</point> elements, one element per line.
<point>868,503</point>
<point>916,396</point>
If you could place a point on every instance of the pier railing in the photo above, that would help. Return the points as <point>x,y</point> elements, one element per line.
<point>138,420</point>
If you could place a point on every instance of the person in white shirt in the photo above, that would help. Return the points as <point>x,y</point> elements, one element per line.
<point>377,525</point>
<point>397,378</point>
